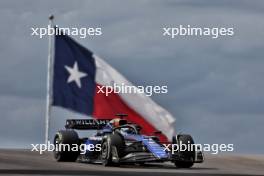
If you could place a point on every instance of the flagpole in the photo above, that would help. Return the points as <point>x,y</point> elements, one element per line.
<point>49,82</point>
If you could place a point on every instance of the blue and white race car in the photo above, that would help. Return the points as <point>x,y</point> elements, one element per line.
<point>117,141</point>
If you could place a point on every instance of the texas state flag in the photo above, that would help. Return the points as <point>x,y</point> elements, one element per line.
<point>79,74</point>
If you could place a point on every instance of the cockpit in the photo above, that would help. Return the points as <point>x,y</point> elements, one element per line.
<point>127,129</point>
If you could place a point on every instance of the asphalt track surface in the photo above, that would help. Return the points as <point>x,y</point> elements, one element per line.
<point>25,162</point>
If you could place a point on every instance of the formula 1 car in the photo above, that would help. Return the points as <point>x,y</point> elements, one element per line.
<point>121,142</point>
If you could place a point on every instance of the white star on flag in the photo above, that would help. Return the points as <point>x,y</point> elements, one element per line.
<point>75,74</point>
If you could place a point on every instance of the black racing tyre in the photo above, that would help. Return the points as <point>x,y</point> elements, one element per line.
<point>183,164</point>
<point>188,156</point>
<point>113,141</point>
<point>71,139</point>
<point>106,152</point>
<point>118,141</point>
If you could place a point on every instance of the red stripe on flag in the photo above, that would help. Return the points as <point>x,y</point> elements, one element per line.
<point>106,107</point>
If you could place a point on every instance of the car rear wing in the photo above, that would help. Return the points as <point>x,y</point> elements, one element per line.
<point>86,124</point>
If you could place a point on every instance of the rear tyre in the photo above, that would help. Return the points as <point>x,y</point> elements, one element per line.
<point>71,139</point>
<point>188,156</point>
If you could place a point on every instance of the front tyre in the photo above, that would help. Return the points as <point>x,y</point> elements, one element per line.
<point>182,164</point>
<point>186,156</point>
<point>112,148</point>
<point>106,153</point>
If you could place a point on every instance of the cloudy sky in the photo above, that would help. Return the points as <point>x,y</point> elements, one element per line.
<point>215,85</point>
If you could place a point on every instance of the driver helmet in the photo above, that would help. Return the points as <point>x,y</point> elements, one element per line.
<point>118,122</point>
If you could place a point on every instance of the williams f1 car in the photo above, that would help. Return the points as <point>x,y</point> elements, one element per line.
<point>119,141</point>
